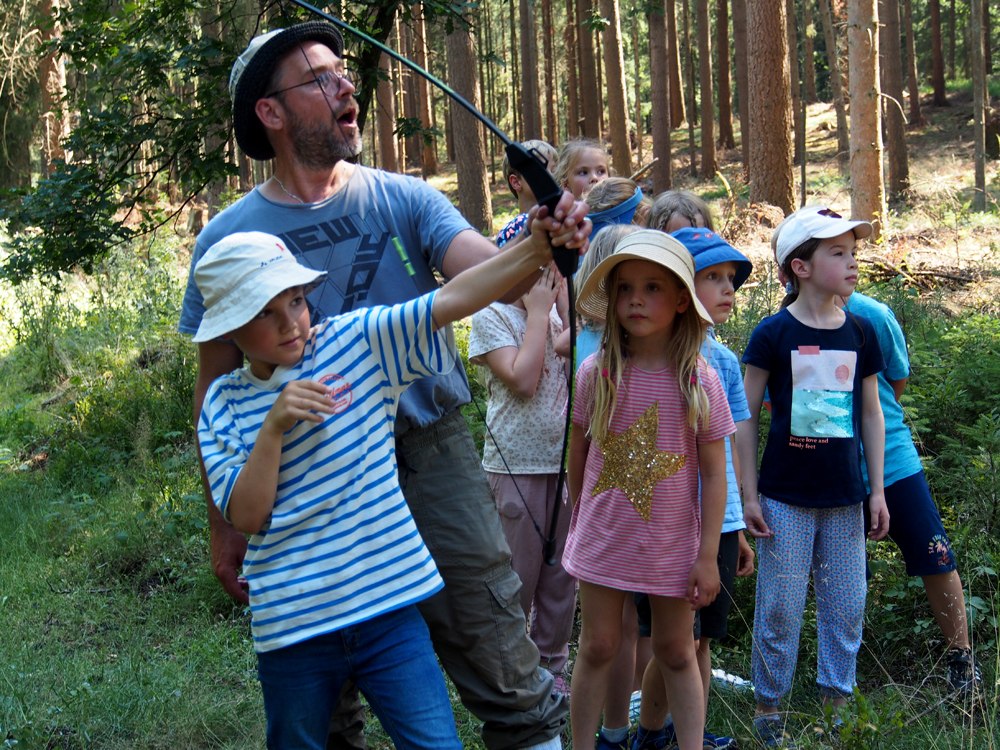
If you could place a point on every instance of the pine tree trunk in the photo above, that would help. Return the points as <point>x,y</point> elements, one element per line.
<point>692,107</point>
<point>518,129</point>
<point>211,28</point>
<point>771,179</point>
<point>529,80</point>
<point>742,75</point>
<point>810,61</point>
<point>385,104</point>
<point>793,74</point>
<point>428,159</point>
<point>677,113</point>
<point>639,130</point>
<point>891,59</point>
<point>708,165</point>
<point>569,34</point>
<point>979,92</point>
<point>467,132</point>
<point>551,123</point>
<point>726,137</point>
<point>599,59</point>
<point>52,77</point>
<point>916,117</point>
<point>987,46</point>
<point>867,193</point>
<point>951,43</point>
<point>836,85</point>
<point>937,55</point>
<point>614,65</point>
<point>589,92</point>
<point>659,85</point>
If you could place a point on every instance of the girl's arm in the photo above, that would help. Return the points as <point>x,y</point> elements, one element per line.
<point>520,368</point>
<point>747,438</point>
<point>703,581</point>
<point>579,447</point>
<point>873,439</point>
<point>253,495</point>
<point>745,560</point>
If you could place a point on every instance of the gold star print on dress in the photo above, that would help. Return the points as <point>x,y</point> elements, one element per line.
<point>633,464</point>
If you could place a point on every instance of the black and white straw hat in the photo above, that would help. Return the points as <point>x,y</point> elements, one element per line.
<point>253,69</point>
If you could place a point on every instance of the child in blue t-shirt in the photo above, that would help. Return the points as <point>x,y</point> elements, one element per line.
<point>299,452</point>
<point>820,366</point>
<point>720,270</point>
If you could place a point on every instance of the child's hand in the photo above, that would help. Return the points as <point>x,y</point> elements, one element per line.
<point>753,517</point>
<point>880,516</point>
<point>703,583</point>
<point>542,295</point>
<point>562,301</point>
<point>301,400</point>
<point>745,565</point>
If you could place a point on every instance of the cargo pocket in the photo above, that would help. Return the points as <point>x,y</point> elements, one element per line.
<point>518,654</point>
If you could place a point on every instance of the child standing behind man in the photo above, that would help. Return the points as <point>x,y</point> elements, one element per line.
<point>522,191</point>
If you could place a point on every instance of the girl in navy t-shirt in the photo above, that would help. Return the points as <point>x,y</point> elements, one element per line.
<point>819,365</point>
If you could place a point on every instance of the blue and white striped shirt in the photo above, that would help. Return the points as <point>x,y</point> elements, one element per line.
<point>340,546</point>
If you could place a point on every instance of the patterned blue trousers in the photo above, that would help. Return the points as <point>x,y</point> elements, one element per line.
<point>829,542</point>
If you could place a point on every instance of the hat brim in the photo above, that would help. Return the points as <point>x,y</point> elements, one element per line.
<point>593,300</point>
<point>250,133</point>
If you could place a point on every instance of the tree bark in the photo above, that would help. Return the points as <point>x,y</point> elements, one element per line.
<point>708,165</point>
<point>637,80</point>
<point>692,107</point>
<point>467,132</point>
<point>892,79</point>
<point>867,193</point>
<point>677,113</point>
<point>726,137</point>
<point>589,92</point>
<point>385,106</point>
<point>836,82</point>
<point>771,179</point>
<point>659,85</point>
<point>978,104</point>
<point>569,34</point>
<point>937,55</point>
<point>810,60</point>
<point>916,117</point>
<point>794,79</point>
<point>614,65</point>
<point>551,123</point>
<point>429,162</point>
<point>951,43</point>
<point>518,128</point>
<point>987,46</point>
<point>529,81</point>
<point>52,77</point>
<point>211,28</point>
<point>742,73</point>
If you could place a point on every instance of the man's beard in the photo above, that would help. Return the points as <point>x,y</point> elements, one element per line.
<point>322,145</point>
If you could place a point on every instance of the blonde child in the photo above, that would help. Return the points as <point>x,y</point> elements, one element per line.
<point>676,209</point>
<point>522,190</point>
<point>820,366</point>
<point>526,381</point>
<point>583,162</point>
<point>650,419</point>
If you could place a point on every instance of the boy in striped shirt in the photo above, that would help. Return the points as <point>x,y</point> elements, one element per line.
<point>299,451</point>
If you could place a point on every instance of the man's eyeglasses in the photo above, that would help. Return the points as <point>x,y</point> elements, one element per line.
<point>329,82</point>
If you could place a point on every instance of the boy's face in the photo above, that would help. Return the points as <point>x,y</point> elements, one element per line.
<point>277,334</point>
<point>714,287</point>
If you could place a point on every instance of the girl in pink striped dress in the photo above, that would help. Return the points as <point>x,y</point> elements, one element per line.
<point>650,418</point>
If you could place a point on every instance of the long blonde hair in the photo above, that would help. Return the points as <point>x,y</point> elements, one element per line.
<point>683,353</point>
<point>601,246</point>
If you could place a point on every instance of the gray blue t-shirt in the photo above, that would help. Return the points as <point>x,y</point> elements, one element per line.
<point>380,238</point>
<point>901,457</point>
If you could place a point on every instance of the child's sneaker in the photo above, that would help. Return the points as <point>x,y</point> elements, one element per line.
<point>656,740</point>
<point>716,742</point>
<point>603,743</point>
<point>963,672</point>
<point>770,731</point>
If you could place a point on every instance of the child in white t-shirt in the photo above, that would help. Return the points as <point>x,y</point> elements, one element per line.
<point>527,388</point>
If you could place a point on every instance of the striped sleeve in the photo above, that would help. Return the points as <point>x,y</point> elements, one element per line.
<point>221,444</point>
<point>403,338</point>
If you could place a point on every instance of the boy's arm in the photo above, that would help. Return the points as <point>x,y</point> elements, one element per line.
<point>579,446</point>
<point>754,383</point>
<point>253,495</point>
<point>873,439</point>
<point>703,581</point>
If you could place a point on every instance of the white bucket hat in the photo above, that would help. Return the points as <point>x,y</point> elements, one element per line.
<point>239,275</point>
<point>647,244</point>
<point>813,222</point>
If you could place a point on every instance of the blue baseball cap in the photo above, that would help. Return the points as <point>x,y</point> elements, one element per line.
<point>623,213</point>
<point>707,248</point>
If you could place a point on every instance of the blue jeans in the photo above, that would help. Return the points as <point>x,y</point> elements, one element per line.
<point>391,661</point>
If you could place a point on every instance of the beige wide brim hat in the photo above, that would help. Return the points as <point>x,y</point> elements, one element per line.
<point>648,244</point>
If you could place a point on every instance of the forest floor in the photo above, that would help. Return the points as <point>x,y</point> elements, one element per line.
<point>118,636</point>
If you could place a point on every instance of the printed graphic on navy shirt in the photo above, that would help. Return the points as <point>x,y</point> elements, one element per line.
<point>822,395</point>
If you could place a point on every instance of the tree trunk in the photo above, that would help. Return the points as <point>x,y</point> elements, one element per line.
<point>518,132</point>
<point>937,56</point>
<point>978,104</point>
<point>987,46</point>
<point>385,105</point>
<point>659,85</point>
<point>529,81</point>
<point>467,132</point>
<point>916,117</point>
<point>708,165</point>
<point>637,80</point>
<point>742,72</point>
<point>771,179</point>
<point>569,34</point>
<point>413,144</point>
<point>614,66</point>
<point>810,61</point>
<point>599,59</point>
<point>589,92</point>
<point>692,107</point>
<point>794,79</point>
<point>867,193</point>
<point>951,43</point>
<point>52,77</point>
<point>891,59</point>
<point>551,123</point>
<point>836,82</point>
<point>726,137</point>
<point>677,113</point>
<point>211,28</point>
<point>428,160</point>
